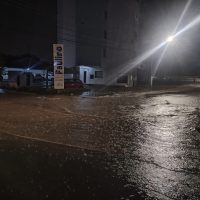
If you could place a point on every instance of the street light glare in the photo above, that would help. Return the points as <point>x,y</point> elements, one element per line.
<point>170,38</point>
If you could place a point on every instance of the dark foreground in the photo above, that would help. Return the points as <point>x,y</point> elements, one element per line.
<point>37,170</point>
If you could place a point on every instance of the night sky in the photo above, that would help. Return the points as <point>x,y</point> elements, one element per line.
<point>28,27</point>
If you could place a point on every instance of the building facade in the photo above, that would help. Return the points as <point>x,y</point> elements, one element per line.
<point>101,33</point>
<point>95,33</point>
<point>122,20</point>
<point>66,30</point>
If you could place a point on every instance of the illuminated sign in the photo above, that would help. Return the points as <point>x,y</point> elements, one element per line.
<point>58,57</point>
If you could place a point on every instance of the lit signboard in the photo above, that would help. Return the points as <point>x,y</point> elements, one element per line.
<point>58,58</point>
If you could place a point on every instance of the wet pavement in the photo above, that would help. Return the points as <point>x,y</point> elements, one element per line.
<point>131,145</point>
<point>32,170</point>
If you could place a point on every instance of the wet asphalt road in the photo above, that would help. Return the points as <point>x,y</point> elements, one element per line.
<point>32,170</point>
<point>150,151</point>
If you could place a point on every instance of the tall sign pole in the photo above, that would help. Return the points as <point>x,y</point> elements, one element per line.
<point>58,58</point>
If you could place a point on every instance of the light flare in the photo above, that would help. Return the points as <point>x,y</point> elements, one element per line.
<point>186,28</point>
<point>171,38</point>
<point>182,15</point>
<point>133,63</point>
<point>160,60</point>
<point>124,69</point>
<point>189,26</point>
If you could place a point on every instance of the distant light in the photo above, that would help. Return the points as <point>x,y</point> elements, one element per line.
<point>170,38</point>
<point>28,69</point>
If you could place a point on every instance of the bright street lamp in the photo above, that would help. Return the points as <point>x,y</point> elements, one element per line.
<point>170,39</point>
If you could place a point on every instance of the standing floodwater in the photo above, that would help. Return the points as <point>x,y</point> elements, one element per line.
<point>160,146</point>
<point>125,146</point>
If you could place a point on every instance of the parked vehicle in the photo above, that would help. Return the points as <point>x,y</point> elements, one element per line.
<point>73,84</point>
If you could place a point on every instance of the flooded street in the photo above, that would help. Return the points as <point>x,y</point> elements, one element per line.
<point>162,155</point>
<point>131,145</point>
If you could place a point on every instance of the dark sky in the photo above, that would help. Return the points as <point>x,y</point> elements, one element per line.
<point>28,26</point>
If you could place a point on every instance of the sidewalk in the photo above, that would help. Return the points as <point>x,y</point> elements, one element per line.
<point>142,90</point>
<point>102,90</point>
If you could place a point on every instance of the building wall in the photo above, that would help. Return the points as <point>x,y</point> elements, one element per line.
<point>122,25</point>
<point>106,32</point>
<point>90,75</point>
<point>90,29</point>
<point>66,30</point>
<point>28,27</point>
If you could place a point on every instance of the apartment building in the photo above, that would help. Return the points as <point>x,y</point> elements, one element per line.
<point>101,33</point>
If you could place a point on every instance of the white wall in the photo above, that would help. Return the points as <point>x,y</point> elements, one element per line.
<point>91,71</point>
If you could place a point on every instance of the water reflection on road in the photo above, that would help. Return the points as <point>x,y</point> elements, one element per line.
<point>162,155</point>
<point>154,143</point>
